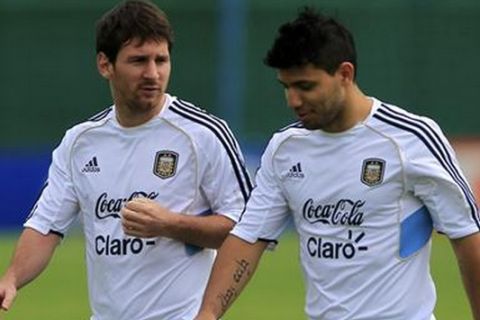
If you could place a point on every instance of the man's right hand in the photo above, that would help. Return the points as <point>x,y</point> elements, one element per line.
<point>8,293</point>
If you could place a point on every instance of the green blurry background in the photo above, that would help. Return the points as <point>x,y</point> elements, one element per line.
<point>420,54</point>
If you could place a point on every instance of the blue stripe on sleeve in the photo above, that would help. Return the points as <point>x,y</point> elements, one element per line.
<point>415,232</point>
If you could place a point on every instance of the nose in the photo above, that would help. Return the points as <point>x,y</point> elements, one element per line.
<point>151,70</point>
<point>293,98</point>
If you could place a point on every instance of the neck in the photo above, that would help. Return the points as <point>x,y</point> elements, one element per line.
<point>360,105</point>
<point>356,109</point>
<point>132,116</point>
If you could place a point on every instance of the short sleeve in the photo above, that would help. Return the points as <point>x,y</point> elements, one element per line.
<point>225,181</point>
<point>57,206</point>
<point>435,177</point>
<point>267,214</point>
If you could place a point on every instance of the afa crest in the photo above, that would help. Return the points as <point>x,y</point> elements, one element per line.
<point>372,171</point>
<point>165,165</point>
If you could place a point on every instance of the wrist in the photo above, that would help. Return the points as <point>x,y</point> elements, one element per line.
<point>172,224</point>
<point>10,278</point>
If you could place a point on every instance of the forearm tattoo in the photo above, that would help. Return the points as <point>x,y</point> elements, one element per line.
<point>227,297</point>
<point>231,293</point>
<point>242,268</point>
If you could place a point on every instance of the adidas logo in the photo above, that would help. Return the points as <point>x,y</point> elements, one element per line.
<point>91,166</point>
<point>296,172</point>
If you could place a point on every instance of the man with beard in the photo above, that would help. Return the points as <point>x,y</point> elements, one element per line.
<point>365,182</point>
<point>156,181</point>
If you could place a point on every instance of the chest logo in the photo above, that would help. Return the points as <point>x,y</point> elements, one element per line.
<point>296,171</point>
<point>372,171</point>
<point>91,166</point>
<point>165,165</point>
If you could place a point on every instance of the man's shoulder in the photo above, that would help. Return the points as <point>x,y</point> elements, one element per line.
<point>293,129</point>
<point>190,112</point>
<point>94,121</point>
<point>408,130</point>
<point>390,111</point>
<point>196,121</point>
<point>282,138</point>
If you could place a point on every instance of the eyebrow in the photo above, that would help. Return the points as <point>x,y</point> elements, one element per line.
<point>295,83</point>
<point>145,56</point>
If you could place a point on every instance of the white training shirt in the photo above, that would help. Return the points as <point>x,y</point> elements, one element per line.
<point>364,203</point>
<point>185,159</point>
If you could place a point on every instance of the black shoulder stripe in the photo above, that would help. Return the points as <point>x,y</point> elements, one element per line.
<point>237,164</point>
<point>207,116</point>
<point>432,140</point>
<point>434,143</point>
<point>222,129</point>
<point>35,205</point>
<point>294,125</point>
<point>433,136</point>
<point>195,111</point>
<point>101,115</point>
<point>225,130</point>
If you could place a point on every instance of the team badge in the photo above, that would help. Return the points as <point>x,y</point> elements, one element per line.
<point>165,164</point>
<point>372,171</point>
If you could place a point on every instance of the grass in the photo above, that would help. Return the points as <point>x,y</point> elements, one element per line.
<point>60,292</point>
<point>275,292</point>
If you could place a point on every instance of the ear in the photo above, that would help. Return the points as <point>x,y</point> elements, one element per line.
<point>346,70</point>
<point>104,66</point>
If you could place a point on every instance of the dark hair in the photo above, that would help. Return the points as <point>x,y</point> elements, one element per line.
<point>129,20</point>
<point>312,38</point>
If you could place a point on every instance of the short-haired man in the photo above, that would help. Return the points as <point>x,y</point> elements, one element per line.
<point>156,181</point>
<point>366,182</point>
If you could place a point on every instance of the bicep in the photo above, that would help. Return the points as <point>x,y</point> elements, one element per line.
<point>35,245</point>
<point>32,254</point>
<point>467,250</point>
<point>235,248</point>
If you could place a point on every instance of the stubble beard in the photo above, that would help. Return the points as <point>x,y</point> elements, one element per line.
<point>139,105</point>
<point>330,116</point>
